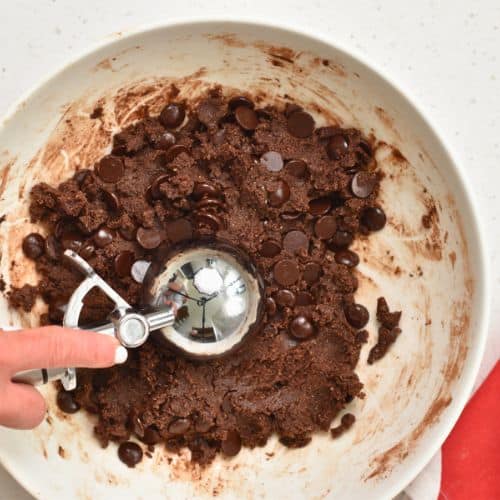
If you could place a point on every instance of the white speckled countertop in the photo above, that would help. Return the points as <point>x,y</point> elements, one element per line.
<point>445,53</point>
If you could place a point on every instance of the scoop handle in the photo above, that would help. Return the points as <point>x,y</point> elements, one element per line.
<point>40,376</point>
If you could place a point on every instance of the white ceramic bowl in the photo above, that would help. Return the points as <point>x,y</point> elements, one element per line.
<point>413,396</point>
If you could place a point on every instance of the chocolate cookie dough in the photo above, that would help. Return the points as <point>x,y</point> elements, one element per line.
<point>267,180</point>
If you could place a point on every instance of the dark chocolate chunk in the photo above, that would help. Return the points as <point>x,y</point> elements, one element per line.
<point>246,118</point>
<point>320,206</point>
<point>270,306</point>
<point>286,272</point>
<point>312,272</point>
<point>66,402</point>
<point>357,315</point>
<point>280,195</point>
<point>300,124</point>
<point>301,328</point>
<point>111,200</point>
<point>270,248</point>
<point>103,237</point>
<point>337,147</point>
<point>130,453</point>
<point>295,242</point>
<point>297,168</point>
<point>209,220</point>
<point>33,245</point>
<point>172,115</point>
<point>325,227</point>
<point>231,446</point>
<point>149,238</point>
<point>373,218</point>
<point>285,298</point>
<point>341,240</point>
<point>110,169</point>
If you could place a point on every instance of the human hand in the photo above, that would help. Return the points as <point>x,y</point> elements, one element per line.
<point>21,405</point>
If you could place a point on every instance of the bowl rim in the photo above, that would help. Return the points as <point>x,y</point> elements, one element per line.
<point>483,283</point>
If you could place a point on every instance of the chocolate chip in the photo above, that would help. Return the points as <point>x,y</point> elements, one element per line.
<point>172,115</point>
<point>66,402</point>
<point>204,189</point>
<point>231,446</point>
<point>304,299</point>
<point>111,200</point>
<point>270,306</point>
<point>337,147</point>
<point>272,160</point>
<point>52,247</point>
<point>103,237</point>
<point>148,238</point>
<point>135,424</point>
<point>373,218</point>
<point>123,263</point>
<point>280,195</point>
<point>286,272</point>
<point>341,240</point>
<point>240,100</point>
<point>270,248</point>
<point>320,206</point>
<point>127,232</point>
<point>175,151</point>
<point>179,426</point>
<point>151,436</point>
<point>301,328</point>
<point>312,272</point>
<point>110,169</point>
<point>285,298</point>
<point>300,124</point>
<point>363,184</point>
<point>154,188</point>
<point>347,258</point>
<point>33,245</point>
<point>139,270</point>
<point>297,168</point>
<point>165,141</point>
<point>295,242</point>
<point>210,112</point>
<point>179,230</point>
<point>130,453</point>
<point>325,227</point>
<point>87,251</point>
<point>357,315</point>
<point>246,118</point>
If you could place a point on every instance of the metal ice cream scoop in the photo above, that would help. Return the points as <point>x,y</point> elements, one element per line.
<point>205,299</point>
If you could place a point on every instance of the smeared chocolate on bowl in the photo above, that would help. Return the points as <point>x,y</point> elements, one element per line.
<point>290,195</point>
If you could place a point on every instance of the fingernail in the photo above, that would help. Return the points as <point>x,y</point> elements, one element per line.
<point>121,355</point>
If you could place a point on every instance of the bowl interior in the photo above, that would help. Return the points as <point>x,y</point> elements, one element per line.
<point>434,274</point>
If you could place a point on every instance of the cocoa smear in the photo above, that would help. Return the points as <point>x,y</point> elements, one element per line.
<point>293,375</point>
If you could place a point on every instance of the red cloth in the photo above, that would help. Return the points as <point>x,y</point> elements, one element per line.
<point>471,454</point>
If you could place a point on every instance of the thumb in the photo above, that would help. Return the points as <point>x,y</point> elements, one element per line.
<point>56,347</point>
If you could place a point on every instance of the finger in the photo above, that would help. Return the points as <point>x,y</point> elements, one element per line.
<point>56,347</point>
<point>22,407</point>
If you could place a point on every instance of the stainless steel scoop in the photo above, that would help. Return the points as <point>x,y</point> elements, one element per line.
<point>205,300</point>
